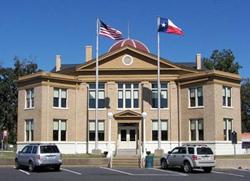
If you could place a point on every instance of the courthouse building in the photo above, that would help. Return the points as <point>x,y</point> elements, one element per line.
<point>197,105</point>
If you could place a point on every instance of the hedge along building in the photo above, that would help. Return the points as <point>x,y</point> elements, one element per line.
<point>197,105</point>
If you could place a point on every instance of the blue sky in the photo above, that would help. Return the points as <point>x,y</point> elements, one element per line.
<point>44,28</point>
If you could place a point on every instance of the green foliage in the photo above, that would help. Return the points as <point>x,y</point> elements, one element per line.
<point>222,60</point>
<point>245,105</point>
<point>8,94</point>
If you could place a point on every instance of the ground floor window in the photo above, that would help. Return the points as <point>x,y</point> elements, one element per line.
<point>164,130</point>
<point>196,130</point>
<point>29,131</point>
<point>228,124</point>
<point>92,127</point>
<point>59,130</point>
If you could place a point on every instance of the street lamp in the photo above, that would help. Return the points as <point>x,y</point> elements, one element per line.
<point>110,116</point>
<point>144,115</point>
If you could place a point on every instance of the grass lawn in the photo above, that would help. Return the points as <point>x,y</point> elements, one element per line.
<point>233,157</point>
<point>79,156</point>
<point>7,155</point>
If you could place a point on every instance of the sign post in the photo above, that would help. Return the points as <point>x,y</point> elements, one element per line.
<point>234,140</point>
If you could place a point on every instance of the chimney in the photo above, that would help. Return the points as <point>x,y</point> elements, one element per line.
<point>88,53</point>
<point>198,61</point>
<point>58,63</point>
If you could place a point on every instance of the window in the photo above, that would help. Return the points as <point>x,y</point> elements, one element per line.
<point>100,130</point>
<point>29,131</point>
<point>195,97</point>
<point>226,94</point>
<point>128,95</point>
<point>60,98</point>
<point>228,125</point>
<point>179,150</point>
<point>190,150</point>
<point>196,130</point>
<point>34,149</point>
<point>59,130</point>
<point>164,130</point>
<point>164,95</point>
<point>29,98</point>
<point>101,95</point>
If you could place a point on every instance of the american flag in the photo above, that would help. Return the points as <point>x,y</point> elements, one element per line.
<point>109,32</point>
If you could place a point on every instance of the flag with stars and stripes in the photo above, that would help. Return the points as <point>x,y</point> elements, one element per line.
<point>109,32</point>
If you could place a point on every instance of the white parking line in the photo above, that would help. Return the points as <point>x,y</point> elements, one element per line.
<point>170,171</point>
<point>225,173</point>
<point>119,171</point>
<point>71,171</point>
<point>27,173</point>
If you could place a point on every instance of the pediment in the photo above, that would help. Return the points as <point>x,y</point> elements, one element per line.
<point>140,61</point>
<point>127,114</point>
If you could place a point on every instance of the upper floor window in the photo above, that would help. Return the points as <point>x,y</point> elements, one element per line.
<point>228,125</point>
<point>226,94</point>
<point>164,95</point>
<point>164,130</point>
<point>195,97</point>
<point>60,98</point>
<point>92,130</point>
<point>29,131</point>
<point>59,130</point>
<point>196,130</point>
<point>101,95</point>
<point>128,95</point>
<point>29,98</point>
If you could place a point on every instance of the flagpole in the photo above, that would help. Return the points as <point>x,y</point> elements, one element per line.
<point>158,85</point>
<point>96,84</point>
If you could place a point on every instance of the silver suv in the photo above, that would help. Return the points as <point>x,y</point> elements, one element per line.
<point>39,155</point>
<point>189,157</point>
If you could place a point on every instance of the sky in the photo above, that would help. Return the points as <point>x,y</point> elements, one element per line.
<point>41,29</point>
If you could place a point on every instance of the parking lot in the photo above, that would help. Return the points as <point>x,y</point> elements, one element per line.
<point>103,173</point>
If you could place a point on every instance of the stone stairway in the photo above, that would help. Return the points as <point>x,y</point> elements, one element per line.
<point>126,158</point>
<point>126,161</point>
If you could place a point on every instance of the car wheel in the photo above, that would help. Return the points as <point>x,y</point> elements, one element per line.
<point>17,165</point>
<point>31,166</point>
<point>57,167</point>
<point>164,164</point>
<point>207,169</point>
<point>187,167</point>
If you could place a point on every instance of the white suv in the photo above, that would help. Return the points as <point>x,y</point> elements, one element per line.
<point>189,157</point>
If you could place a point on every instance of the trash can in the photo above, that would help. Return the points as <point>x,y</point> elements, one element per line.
<point>149,161</point>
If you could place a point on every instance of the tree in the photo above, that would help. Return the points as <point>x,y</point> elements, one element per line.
<point>8,93</point>
<point>222,60</point>
<point>245,105</point>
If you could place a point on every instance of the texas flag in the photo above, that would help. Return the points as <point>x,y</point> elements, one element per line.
<point>167,26</point>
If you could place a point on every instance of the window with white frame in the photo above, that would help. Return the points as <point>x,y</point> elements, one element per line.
<point>195,97</point>
<point>128,95</point>
<point>59,130</point>
<point>101,95</point>
<point>196,130</point>
<point>60,98</point>
<point>29,98</point>
<point>164,95</point>
<point>92,130</point>
<point>29,130</point>
<point>227,94</point>
<point>164,130</point>
<point>228,125</point>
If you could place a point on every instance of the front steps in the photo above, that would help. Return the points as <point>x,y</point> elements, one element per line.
<point>126,158</point>
<point>126,162</point>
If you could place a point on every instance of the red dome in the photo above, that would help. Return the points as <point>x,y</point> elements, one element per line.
<point>129,42</point>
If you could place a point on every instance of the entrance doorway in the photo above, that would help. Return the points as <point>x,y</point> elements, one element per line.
<point>127,135</point>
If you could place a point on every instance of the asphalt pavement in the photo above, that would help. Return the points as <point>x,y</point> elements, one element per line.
<point>126,174</point>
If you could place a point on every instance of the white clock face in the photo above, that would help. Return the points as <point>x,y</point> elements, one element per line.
<point>127,60</point>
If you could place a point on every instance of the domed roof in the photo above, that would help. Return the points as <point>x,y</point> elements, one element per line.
<point>129,42</point>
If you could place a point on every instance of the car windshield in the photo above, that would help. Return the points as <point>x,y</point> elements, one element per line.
<point>204,151</point>
<point>49,149</point>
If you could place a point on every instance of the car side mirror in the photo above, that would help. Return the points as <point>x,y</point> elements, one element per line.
<point>169,152</point>
<point>19,152</point>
